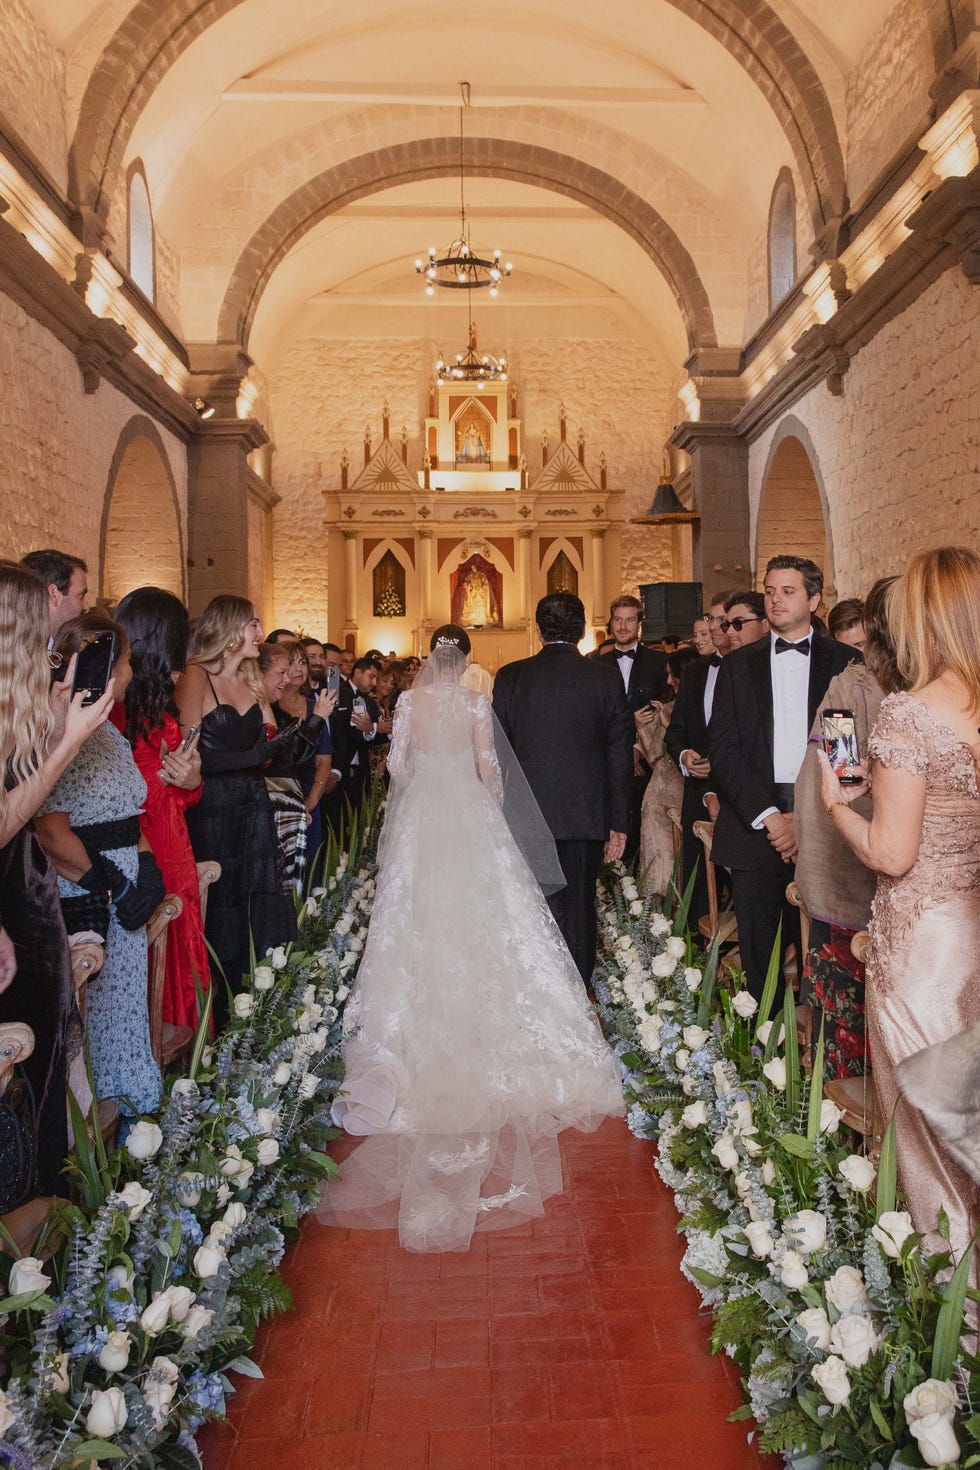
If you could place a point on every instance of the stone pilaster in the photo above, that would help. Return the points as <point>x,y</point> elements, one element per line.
<point>218,495</point>
<point>720,489</point>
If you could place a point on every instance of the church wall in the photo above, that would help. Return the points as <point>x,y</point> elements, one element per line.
<point>58,446</point>
<point>888,95</point>
<point>899,452</point>
<point>325,392</point>
<point>32,87</point>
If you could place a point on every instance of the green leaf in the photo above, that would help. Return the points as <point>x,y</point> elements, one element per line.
<point>245,1366</point>
<point>710,977</point>
<point>27,1299</point>
<point>325,1163</point>
<point>772,976</point>
<point>704,1277</point>
<point>680,918</point>
<point>816,1089</point>
<point>792,1050</point>
<point>205,1006</point>
<point>887,1173</point>
<point>741,1413</point>
<point>949,1325</point>
<point>881,1423</point>
<point>97,1449</point>
<point>794,1144</point>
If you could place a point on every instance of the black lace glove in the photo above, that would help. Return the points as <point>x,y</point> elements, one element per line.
<point>136,903</point>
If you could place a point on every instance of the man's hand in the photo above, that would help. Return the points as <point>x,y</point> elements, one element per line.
<point>385,726</point>
<point>8,960</point>
<point>695,764</point>
<point>362,722</point>
<point>779,826</point>
<point>615,847</point>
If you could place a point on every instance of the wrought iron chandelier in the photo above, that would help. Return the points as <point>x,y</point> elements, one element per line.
<point>472,366</point>
<point>460,267</point>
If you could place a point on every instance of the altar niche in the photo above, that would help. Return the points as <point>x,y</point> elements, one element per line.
<point>472,438</point>
<point>388,587</point>
<point>476,594</point>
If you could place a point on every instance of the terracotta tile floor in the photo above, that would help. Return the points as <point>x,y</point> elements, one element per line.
<point>572,1342</point>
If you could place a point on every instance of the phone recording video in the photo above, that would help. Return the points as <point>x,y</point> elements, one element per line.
<point>840,743</point>
<point>93,666</point>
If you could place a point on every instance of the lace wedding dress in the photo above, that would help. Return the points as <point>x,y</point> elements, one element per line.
<point>469,1041</point>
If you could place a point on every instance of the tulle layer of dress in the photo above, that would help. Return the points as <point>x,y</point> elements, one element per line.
<point>470,1043</point>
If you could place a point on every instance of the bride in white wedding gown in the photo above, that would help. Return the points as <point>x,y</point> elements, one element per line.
<point>469,1040</point>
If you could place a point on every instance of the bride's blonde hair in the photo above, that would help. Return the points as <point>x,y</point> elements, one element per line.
<point>934,617</point>
<point>26,718</point>
<point>220,630</point>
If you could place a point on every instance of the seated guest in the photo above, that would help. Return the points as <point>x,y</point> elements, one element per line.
<point>745,619</point>
<point>109,882</point>
<point>158,629</point>
<point>845,623</point>
<point>837,887</point>
<point>66,578</point>
<point>233,821</point>
<point>41,732</point>
<point>666,785</point>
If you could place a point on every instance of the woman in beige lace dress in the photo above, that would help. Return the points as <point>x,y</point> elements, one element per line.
<point>924,842</point>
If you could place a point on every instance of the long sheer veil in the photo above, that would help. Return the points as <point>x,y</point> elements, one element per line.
<point>444,731</point>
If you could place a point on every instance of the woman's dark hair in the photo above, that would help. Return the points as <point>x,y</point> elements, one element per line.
<point>70,636</point>
<point>158,628</point>
<point>560,618</point>
<point>678,661</point>
<point>879,650</point>
<point>451,633</point>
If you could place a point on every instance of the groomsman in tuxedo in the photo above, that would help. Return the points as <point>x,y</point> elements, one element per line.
<point>644,675</point>
<point>765,701</point>
<point>332,804</point>
<point>570,725</point>
<point>367,727</point>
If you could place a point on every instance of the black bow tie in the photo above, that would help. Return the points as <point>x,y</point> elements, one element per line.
<point>802,647</point>
<point>715,661</point>
<point>626,653</point>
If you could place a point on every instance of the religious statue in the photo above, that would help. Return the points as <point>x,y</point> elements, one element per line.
<point>476,600</point>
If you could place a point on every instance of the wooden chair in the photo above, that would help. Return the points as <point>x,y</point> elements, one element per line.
<point>804,1013</point>
<point>167,1041</point>
<point>713,921</point>
<point>860,945</point>
<point>87,959</point>
<point>676,830</point>
<point>855,1096</point>
<point>207,873</point>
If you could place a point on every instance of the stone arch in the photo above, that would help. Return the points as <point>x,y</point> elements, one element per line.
<point>156,33</point>
<point>793,517</point>
<point>142,537</point>
<point>483,157</point>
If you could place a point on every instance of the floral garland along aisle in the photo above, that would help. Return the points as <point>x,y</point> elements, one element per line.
<point>847,1335</point>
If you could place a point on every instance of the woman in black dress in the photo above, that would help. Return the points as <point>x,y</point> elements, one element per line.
<point>233,824</point>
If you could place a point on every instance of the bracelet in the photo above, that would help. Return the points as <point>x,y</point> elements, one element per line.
<point>833,807</point>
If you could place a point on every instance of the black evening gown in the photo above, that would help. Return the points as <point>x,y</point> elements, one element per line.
<point>233,825</point>
<point>41,993</point>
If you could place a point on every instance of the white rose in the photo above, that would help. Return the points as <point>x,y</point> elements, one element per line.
<point>267,1152</point>
<point>7,1414</point>
<point>892,1230</point>
<point>159,1389</point>
<point>636,908</point>
<point>695,1037</point>
<point>936,1440</point>
<point>282,1074</point>
<point>695,1115</point>
<point>135,1198</point>
<point>724,1151</point>
<point>26,1275</point>
<point>744,1004</point>
<point>775,1070</point>
<point>830,1116</point>
<point>122,1280</point>
<point>312,908</point>
<point>232,1163</point>
<point>689,1085</point>
<point>264,978</point>
<point>185,1087</point>
<point>189,1189</point>
<point>816,1325</point>
<point>859,1172</point>
<point>831,1378</point>
<point>195,1322</point>
<point>219,1231</point>
<point>156,1316</point>
<point>355,944</point>
<point>692,979</point>
<point>792,1271</point>
<point>235,1216</point>
<point>808,1229</point>
<point>181,1301</point>
<point>845,1290</point>
<point>663,965</point>
<point>934,1396</point>
<point>676,947</point>
<point>143,1140</point>
<point>108,1413</point>
<point>243,1005</point>
<point>681,1058</point>
<point>58,1377</point>
<point>743,1116</point>
<point>341,993</point>
<point>114,1357</point>
<point>659,924</point>
<point>763,1033</point>
<point>277,958</point>
<point>267,1119</point>
<point>207,1055</point>
<point>207,1260</point>
<point>720,1073</point>
<point>222,1194</point>
<point>629,889</point>
<point>759,1238</point>
<point>855,1339</point>
<point>343,924</point>
<point>308,1084</point>
<point>768,1171</point>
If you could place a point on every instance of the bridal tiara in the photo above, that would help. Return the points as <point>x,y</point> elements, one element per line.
<point>448,643</point>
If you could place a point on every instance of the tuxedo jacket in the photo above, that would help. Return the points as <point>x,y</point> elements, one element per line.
<point>688,731</point>
<point>648,679</point>
<point>572,731</point>
<point>340,727</point>
<point>740,741</point>
<point>357,744</point>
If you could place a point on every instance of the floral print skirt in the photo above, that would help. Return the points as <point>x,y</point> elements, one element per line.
<point>833,983</point>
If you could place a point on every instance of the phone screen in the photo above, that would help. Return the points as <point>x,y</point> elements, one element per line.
<point>840,742</point>
<point>93,666</point>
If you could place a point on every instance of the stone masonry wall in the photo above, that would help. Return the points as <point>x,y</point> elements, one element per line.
<point>58,446</point>
<point>899,452</point>
<point>32,82</point>
<point>324,393</point>
<point>888,95</point>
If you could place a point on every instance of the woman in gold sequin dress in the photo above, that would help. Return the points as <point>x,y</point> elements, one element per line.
<point>924,842</point>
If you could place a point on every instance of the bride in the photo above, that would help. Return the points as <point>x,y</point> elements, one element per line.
<point>469,1041</point>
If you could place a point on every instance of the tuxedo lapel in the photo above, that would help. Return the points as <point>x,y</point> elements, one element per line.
<point>821,669</point>
<point>759,669</point>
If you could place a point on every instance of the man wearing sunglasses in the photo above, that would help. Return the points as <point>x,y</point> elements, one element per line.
<point>745,618</point>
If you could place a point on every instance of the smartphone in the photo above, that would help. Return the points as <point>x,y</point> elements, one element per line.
<point>332,686</point>
<point>93,666</point>
<point>187,739</point>
<point>840,743</point>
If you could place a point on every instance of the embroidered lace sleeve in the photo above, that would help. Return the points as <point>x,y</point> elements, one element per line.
<point>900,737</point>
<point>397,764</point>
<point>486,751</point>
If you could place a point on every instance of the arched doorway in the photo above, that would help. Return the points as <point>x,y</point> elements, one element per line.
<point>142,543</point>
<point>791,510</point>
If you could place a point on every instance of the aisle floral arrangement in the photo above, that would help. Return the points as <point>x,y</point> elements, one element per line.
<point>847,1332</point>
<point>117,1346</point>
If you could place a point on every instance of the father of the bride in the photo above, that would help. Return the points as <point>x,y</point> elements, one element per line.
<point>569,722</point>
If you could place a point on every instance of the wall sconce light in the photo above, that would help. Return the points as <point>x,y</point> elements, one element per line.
<point>204,408</point>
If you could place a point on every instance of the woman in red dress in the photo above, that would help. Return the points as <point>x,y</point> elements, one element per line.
<point>158,629</point>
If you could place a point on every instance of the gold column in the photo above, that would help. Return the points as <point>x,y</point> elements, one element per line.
<point>525,611</point>
<point>350,573</point>
<point>598,579</point>
<point>425,577</point>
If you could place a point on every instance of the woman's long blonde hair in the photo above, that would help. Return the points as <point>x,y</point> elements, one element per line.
<point>218,632</point>
<point>26,717</point>
<point>934,617</point>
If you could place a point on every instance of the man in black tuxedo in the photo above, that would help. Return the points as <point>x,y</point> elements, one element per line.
<point>570,725</point>
<point>765,701</point>
<point>644,675</point>
<point>368,729</point>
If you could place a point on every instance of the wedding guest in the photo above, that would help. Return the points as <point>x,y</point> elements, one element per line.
<point>66,578</point>
<point>367,725</point>
<point>845,623</point>
<point>745,619</point>
<point>923,841</point>
<point>715,616</point>
<point>158,629</point>
<point>348,658</point>
<point>273,667</point>
<point>334,803</point>
<point>701,636</point>
<point>281,635</point>
<point>666,785</point>
<point>233,822</point>
<point>837,888</point>
<point>644,674</point>
<point>315,661</point>
<point>305,759</point>
<point>41,731</point>
<point>109,882</point>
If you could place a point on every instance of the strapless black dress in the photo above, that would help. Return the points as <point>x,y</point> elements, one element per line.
<point>233,824</point>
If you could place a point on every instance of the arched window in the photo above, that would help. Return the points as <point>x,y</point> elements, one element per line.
<point>141,256</point>
<point>782,239</point>
<point>562,576</point>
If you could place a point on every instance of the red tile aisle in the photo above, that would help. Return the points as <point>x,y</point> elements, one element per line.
<point>573,1342</point>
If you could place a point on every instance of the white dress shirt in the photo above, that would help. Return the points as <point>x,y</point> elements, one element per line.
<point>789,673</point>
<point>626,665</point>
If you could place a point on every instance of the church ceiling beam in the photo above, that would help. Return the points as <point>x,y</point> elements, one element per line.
<point>272,89</point>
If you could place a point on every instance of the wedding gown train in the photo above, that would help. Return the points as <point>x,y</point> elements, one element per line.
<point>469,1041</point>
